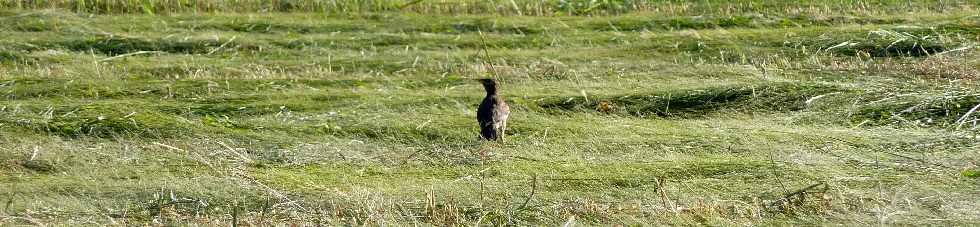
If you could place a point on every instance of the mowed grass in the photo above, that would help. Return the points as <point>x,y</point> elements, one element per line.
<point>619,117</point>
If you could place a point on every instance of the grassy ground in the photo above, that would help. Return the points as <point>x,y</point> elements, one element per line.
<point>633,117</point>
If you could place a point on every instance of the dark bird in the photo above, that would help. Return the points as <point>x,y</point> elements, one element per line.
<point>493,112</point>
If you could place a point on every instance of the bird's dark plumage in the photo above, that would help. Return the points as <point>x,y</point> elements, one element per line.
<point>493,112</point>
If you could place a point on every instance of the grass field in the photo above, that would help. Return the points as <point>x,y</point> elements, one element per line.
<point>363,113</point>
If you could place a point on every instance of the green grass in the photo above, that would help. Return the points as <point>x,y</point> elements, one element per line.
<point>362,113</point>
<point>505,7</point>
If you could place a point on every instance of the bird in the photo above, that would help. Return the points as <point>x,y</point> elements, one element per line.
<point>493,112</point>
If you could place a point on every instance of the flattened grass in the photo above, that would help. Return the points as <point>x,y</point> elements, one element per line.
<point>367,118</point>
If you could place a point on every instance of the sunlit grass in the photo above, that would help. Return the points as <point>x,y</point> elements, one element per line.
<point>659,113</point>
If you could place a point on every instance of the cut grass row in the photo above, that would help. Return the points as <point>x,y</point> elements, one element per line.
<point>372,123</point>
<point>500,7</point>
<point>310,171</point>
<point>229,108</point>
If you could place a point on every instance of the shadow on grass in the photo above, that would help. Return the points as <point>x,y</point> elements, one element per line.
<point>694,103</point>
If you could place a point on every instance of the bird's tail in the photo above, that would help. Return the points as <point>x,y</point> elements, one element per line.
<point>487,132</point>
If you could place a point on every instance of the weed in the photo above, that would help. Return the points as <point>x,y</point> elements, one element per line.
<point>103,121</point>
<point>40,166</point>
<point>939,111</point>
<point>6,56</point>
<point>971,173</point>
<point>889,43</point>
<point>117,45</point>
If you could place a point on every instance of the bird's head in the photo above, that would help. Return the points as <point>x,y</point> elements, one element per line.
<point>487,81</point>
<point>489,84</point>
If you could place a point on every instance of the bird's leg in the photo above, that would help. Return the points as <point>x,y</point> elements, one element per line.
<point>503,130</point>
